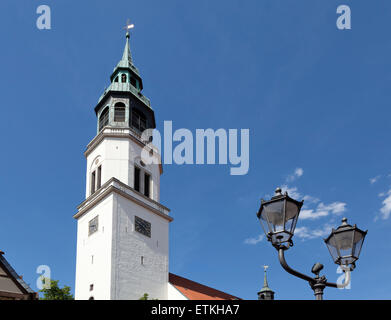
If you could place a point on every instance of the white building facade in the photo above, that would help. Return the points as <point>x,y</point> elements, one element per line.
<point>122,228</point>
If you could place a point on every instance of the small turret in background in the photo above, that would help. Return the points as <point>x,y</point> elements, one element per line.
<point>266,293</point>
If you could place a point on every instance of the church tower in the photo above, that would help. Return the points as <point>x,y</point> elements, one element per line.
<point>122,228</point>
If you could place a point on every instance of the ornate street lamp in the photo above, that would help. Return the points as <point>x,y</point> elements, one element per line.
<point>278,218</point>
<point>345,244</point>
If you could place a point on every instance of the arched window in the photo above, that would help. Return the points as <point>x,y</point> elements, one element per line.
<point>104,118</point>
<point>119,112</point>
<point>138,120</point>
<point>116,79</point>
<point>123,78</point>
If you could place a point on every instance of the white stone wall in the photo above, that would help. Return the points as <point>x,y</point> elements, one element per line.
<point>94,253</point>
<point>175,294</point>
<point>131,279</point>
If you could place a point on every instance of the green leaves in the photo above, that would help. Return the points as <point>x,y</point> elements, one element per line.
<point>54,292</point>
<point>146,297</point>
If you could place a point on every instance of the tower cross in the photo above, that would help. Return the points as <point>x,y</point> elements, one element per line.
<point>265,268</point>
<point>128,26</point>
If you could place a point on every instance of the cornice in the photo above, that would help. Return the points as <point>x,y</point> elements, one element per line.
<point>116,186</point>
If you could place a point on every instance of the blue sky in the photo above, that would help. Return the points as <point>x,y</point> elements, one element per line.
<point>315,98</point>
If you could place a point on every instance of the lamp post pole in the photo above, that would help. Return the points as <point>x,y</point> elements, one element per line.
<point>316,283</point>
<point>278,218</point>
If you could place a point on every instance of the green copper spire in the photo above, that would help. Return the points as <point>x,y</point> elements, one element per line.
<point>266,293</point>
<point>126,60</point>
<point>124,94</point>
<point>265,284</point>
<point>126,77</point>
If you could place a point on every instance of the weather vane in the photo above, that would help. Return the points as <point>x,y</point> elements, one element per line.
<point>128,26</point>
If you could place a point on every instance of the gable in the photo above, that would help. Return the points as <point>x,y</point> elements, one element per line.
<point>12,285</point>
<point>7,284</point>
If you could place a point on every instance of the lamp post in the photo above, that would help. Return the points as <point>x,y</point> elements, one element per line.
<point>278,217</point>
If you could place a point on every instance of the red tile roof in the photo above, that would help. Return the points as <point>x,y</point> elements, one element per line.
<point>197,291</point>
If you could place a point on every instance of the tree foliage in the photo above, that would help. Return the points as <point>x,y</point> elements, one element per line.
<point>54,292</point>
<point>146,297</point>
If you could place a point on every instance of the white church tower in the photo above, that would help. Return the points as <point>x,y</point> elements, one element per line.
<point>122,229</point>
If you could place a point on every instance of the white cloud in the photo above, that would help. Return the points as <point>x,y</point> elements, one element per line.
<point>323,210</point>
<point>292,192</point>
<point>296,174</point>
<point>310,199</point>
<point>315,209</point>
<point>374,179</point>
<point>306,233</point>
<point>335,208</point>
<point>385,210</point>
<point>311,214</point>
<point>299,172</point>
<point>254,240</point>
